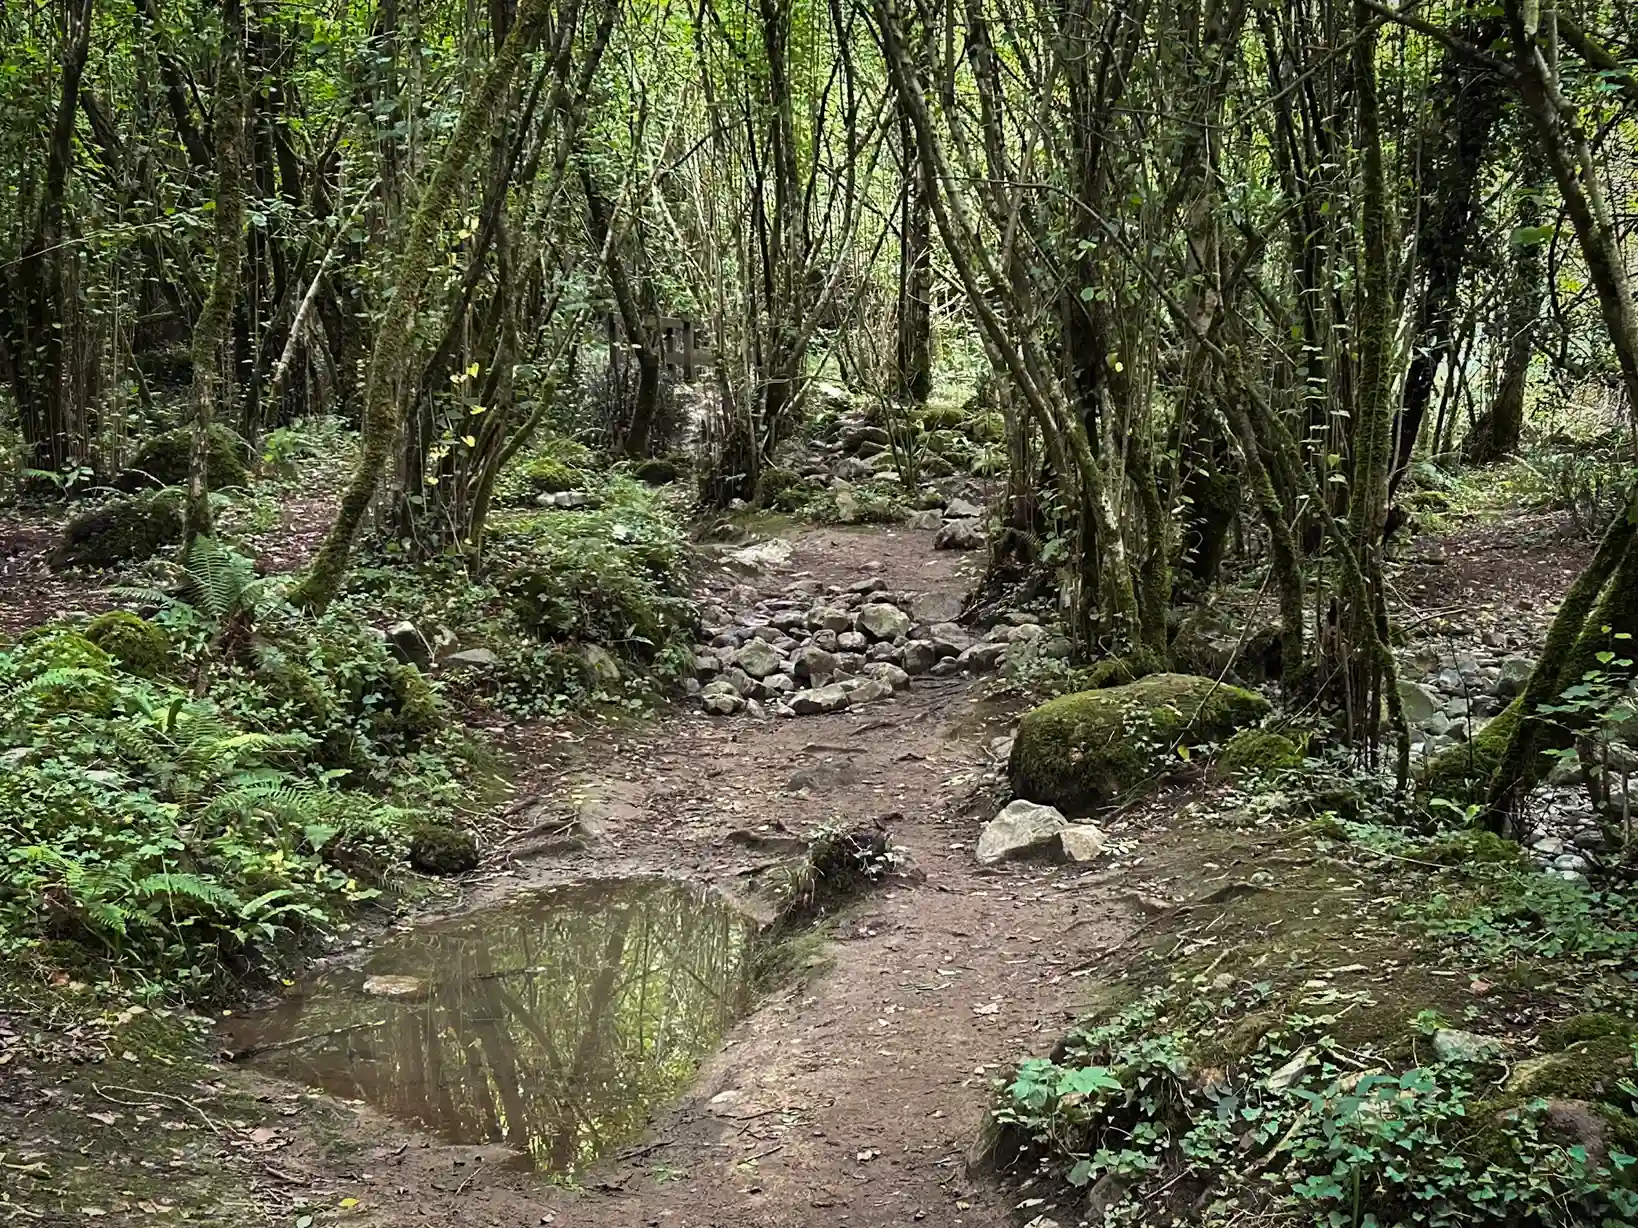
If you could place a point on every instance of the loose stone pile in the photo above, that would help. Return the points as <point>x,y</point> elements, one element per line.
<point>1458,693</point>
<point>823,649</point>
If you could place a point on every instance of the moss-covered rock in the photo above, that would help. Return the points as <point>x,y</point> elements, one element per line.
<point>1566,1033</point>
<point>1085,749</point>
<point>1467,848</point>
<point>659,470</point>
<point>437,849</point>
<point>125,530</point>
<point>942,418</point>
<point>140,647</point>
<point>1587,1070</point>
<point>64,671</point>
<point>1462,774</point>
<point>1256,752</point>
<point>163,461</point>
<point>1118,671</point>
<point>560,465</point>
<point>412,714</point>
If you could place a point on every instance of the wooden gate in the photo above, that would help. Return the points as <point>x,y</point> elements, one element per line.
<point>674,339</point>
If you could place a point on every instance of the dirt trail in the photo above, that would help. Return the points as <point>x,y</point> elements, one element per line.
<point>852,1098</point>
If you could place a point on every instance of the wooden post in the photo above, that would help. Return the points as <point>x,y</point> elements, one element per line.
<point>688,351</point>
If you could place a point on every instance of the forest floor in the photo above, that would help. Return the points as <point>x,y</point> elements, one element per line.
<point>849,1096</point>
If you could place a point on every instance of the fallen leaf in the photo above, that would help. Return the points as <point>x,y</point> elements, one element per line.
<point>106,1119</point>
<point>990,1008</point>
<point>347,1203</point>
<point>262,1135</point>
<point>869,1153</point>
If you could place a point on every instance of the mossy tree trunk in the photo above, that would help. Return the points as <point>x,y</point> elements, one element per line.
<point>210,333</point>
<point>397,328</point>
<point>1497,432</point>
<point>1603,600</point>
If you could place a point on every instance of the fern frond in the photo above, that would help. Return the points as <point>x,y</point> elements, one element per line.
<point>216,577</point>
<point>174,885</point>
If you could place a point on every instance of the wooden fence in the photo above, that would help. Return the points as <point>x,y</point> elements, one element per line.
<point>673,337</point>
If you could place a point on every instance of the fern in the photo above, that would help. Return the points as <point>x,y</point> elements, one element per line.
<point>172,885</point>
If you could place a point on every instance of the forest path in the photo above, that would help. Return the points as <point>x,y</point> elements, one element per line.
<point>851,1098</point>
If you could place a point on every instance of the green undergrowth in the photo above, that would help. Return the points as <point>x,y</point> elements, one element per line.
<point>578,607</point>
<point>1350,1023</point>
<point>198,796</point>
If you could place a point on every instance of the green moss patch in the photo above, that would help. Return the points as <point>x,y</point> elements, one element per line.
<point>1258,752</point>
<point>140,647</point>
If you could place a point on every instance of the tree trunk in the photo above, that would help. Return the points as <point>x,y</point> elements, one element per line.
<point>397,329</point>
<point>1497,432</point>
<point>211,330</point>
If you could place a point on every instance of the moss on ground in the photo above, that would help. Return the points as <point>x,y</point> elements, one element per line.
<point>436,848</point>
<point>1084,750</point>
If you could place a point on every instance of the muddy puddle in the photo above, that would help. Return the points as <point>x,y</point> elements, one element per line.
<point>554,1024</point>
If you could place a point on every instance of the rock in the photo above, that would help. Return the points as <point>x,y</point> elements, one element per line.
<point>399,988</point>
<point>1566,770</point>
<point>792,622</point>
<point>936,607</point>
<point>1549,846</point>
<point>885,622</point>
<point>571,500</point>
<point>867,691</point>
<point>919,656</point>
<point>1450,682</point>
<point>778,684</point>
<point>1087,748</point>
<point>815,664</point>
<point>852,641</point>
<point>961,509</point>
<point>435,848</point>
<point>1437,724</point>
<point>409,646</point>
<point>1081,841</point>
<point>1256,752</point>
<point>1493,639</point>
<point>755,710</point>
<point>982,657</point>
<point>1454,1045</point>
<point>1022,829</point>
<point>762,556</point>
<point>123,530</point>
<point>885,671</point>
<point>819,700</point>
<point>1571,863</point>
<point>758,659</point>
<point>1514,677</point>
<point>1420,703</point>
<point>600,661</point>
<point>927,521</point>
<point>825,640</point>
<point>829,618</point>
<point>724,703</point>
<point>1456,708</point>
<point>959,535</point>
<point>484,658</point>
<point>740,682</point>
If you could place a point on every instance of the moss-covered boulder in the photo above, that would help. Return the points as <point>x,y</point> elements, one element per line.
<point>140,647</point>
<point>1567,1033</point>
<point>1587,1070</point>
<point>125,530</point>
<point>659,471</point>
<point>560,465</point>
<point>63,672</point>
<point>1118,671</point>
<point>1084,750</point>
<point>437,849</point>
<point>1462,773</point>
<point>163,461</point>
<point>412,713</point>
<point>1257,752</point>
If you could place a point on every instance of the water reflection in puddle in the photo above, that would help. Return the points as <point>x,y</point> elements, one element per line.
<point>553,1024</point>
